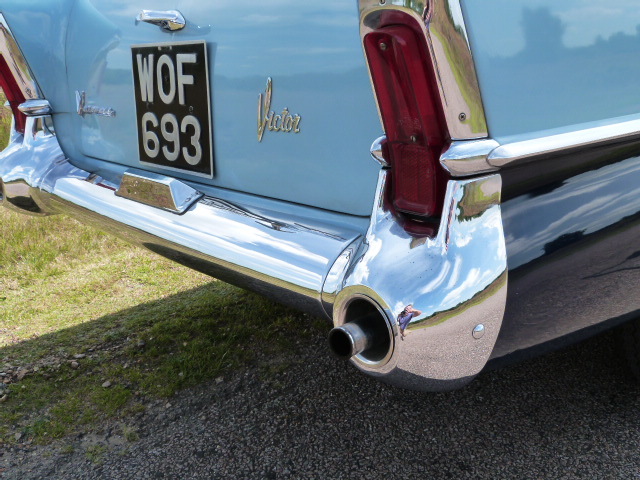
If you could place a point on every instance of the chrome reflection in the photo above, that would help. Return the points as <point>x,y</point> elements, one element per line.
<point>20,175</point>
<point>442,24</point>
<point>452,283</point>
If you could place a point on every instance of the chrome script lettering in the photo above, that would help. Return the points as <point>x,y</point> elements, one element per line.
<point>269,120</point>
<point>84,109</point>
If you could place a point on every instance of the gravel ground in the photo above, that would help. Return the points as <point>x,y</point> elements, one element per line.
<point>571,414</point>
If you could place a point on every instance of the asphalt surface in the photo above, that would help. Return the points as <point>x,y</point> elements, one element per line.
<point>570,414</point>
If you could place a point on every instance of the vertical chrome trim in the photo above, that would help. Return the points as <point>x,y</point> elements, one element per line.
<point>17,64</point>
<point>446,35</point>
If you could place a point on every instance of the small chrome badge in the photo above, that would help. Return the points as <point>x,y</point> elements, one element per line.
<point>269,120</point>
<point>90,109</point>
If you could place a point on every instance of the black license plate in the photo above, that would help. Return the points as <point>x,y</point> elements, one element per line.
<point>173,113</point>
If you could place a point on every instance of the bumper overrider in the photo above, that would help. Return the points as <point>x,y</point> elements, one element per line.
<point>457,279</point>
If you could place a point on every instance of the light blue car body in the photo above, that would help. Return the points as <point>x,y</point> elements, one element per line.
<point>313,54</point>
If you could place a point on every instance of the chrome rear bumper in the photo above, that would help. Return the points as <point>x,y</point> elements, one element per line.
<point>457,280</point>
<point>287,259</point>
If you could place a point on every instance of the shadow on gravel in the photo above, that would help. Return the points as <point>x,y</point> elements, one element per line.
<point>570,414</point>
<point>74,379</point>
<point>202,324</point>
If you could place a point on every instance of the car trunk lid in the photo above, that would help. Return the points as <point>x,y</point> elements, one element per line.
<point>292,110</point>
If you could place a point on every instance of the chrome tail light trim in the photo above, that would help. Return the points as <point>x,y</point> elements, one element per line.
<point>17,64</point>
<point>441,22</point>
<point>35,108</point>
<point>467,158</point>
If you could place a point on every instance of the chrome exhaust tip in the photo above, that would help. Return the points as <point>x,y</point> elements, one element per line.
<point>350,339</point>
<point>363,332</point>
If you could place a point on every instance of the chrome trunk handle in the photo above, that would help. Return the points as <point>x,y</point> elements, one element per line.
<point>167,20</point>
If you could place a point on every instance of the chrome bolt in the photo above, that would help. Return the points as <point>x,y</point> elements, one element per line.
<point>478,331</point>
<point>462,117</point>
<point>414,139</point>
<point>383,46</point>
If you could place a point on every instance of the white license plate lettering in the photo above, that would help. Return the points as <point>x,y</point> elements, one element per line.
<point>172,106</point>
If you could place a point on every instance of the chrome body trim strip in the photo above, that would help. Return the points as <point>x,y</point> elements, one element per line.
<point>35,108</point>
<point>456,280</point>
<point>157,191</point>
<point>455,71</point>
<point>17,64</point>
<point>167,20</point>
<point>521,152</point>
<point>462,159</point>
<point>476,157</point>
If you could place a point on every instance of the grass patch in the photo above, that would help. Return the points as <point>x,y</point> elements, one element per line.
<point>92,328</point>
<point>67,450</point>
<point>130,434</point>
<point>95,454</point>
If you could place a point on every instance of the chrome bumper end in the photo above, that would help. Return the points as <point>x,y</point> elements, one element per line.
<point>457,281</point>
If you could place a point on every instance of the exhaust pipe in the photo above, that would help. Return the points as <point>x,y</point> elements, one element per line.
<point>351,339</point>
<point>364,333</point>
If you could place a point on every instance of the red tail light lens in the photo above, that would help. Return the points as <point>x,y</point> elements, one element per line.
<point>13,93</point>
<point>412,117</point>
